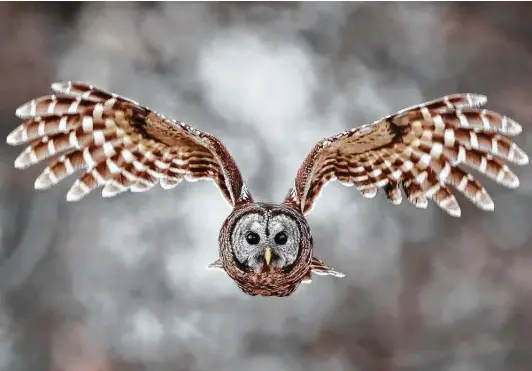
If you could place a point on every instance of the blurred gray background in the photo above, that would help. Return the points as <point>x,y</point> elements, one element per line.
<point>122,284</point>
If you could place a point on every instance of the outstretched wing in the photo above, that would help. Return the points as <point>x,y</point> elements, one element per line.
<point>119,143</point>
<point>418,149</point>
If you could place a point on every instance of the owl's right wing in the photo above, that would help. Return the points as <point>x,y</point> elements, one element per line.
<point>120,144</point>
<point>419,149</point>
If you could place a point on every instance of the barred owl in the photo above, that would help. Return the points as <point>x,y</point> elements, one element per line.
<point>267,248</point>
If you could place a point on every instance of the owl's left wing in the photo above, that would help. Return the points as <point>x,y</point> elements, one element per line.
<point>120,144</point>
<point>419,149</point>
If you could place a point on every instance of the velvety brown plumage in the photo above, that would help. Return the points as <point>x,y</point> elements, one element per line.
<point>267,249</point>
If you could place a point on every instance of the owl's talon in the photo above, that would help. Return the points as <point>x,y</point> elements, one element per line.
<point>217,264</point>
<point>318,267</point>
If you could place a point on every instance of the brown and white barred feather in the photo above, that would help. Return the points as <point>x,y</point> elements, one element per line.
<point>120,144</point>
<point>418,149</point>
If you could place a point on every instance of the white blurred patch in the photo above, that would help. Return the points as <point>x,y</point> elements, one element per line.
<point>462,301</point>
<point>144,334</point>
<point>145,327</point>
<point>250,81</point>
<point>202,215</point>
<point>189,273</point>
<point>188,327</point>
<point>459,291</point>
<point>121,239</point>
<point>371,241</point>
<point>368,96</point>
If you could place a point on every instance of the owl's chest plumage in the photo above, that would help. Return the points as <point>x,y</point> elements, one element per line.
<point>271,284</point>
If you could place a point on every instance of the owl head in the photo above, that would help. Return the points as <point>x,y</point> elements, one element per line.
<point>266,248</point>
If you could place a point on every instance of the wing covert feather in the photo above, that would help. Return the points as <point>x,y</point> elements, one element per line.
<point>418,149</point>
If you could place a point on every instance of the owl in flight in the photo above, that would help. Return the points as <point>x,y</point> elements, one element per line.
<point>267,248</point>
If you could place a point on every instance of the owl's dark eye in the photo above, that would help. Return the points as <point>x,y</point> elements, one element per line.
<point>252,238</point>
<point>281,238</point>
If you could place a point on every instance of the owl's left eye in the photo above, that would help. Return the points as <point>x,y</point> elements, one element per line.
<point>252,238</point>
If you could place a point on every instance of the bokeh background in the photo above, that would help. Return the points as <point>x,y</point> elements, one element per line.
<point>122,284</point>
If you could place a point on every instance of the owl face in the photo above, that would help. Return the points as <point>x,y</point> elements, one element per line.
<point>266,248</point>
<point>265,241</point>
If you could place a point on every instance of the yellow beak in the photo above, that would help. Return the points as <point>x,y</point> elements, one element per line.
<point>268,255</point>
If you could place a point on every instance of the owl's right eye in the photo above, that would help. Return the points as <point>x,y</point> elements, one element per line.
<point>252,238</point>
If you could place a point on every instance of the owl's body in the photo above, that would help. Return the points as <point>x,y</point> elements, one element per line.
<point>267,249</point>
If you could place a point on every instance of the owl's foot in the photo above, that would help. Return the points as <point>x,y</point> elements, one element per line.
<point>216,264</point>
<point>318,267</point>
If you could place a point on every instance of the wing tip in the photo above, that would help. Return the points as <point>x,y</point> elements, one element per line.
<point>77,191</point>
<point>485,202</point>
<point>369,192</point>
<point>43,181</point>
<point>512,126</point>
<point>489,206</point>
<point>71,197</point>
<point>457,213</point>
<point>522,157</point>
<point>168,184</point>
<point>111,189</point>
<point>23,160</point>
<point>512,183</point>
<point>396,201</point>
<point>62,86</point>
<point>477,100</point>
<point>15,137</point>
<point>26,110</point>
